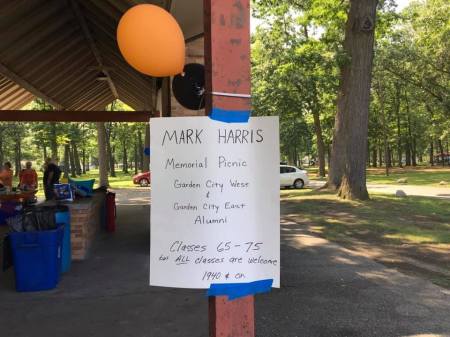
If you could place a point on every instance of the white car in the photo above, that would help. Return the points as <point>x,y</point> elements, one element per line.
<point>291,176</point>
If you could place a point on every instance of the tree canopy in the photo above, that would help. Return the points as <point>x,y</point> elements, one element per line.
<point>298,51</point>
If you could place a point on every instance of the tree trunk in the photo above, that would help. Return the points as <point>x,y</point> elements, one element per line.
<point>295,157</point>
<point>73,170</point>
<point>380,155</point>
<point>320,143</point>
<point>76,157</point>
<point>374,156</point>
<point>430,111</point>
<point>108,148</point>
<point>388,158</point>
<point>414,152</point>
<point>44,148</point>
<point>146,166</point>
<point>393,160</point>
<point>336,167</point>
<point>113,161</point>
<point>83,154</point>
<point>431,153</point>
<point>136,159</point>
<point>110,152</point>
<point>88,162</point>
<point>407,153</point>
<point>328,155</point>
<point>53,141</point>
<point>102,155</point>
<point>18,156</point>
<point>399,132</point>
<point>140,151</point>
<point>441,149</point>
<point>351,126</point>
<point>125,158</point>
<point>386,150</point>
<point>411,140</point>
<point>66,160</point>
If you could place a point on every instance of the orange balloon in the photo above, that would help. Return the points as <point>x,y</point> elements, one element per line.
<point>151,41</point>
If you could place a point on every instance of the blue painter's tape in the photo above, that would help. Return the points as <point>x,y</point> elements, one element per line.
<point>147,151</point>
<point>230,116</point>
<point>237,290</point>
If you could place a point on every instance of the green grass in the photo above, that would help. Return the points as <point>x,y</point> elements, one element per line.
<point>384,218</point>
<point>410,234</point>
<point>420,176</point>
<point>122,180</point>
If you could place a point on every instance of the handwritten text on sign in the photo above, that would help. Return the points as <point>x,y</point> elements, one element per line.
<point>215,214</point>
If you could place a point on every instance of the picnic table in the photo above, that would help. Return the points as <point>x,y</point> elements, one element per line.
<point>18,196</point>
<point>9,201</point>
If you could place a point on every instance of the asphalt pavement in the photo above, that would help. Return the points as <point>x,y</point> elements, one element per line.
<point>326,291</point>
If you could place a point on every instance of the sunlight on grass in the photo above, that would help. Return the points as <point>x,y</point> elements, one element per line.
<point>122,180</point>
<point>422,176</point>
<point>384,218</point>
<point>419,237</point>
<point>331,221</point>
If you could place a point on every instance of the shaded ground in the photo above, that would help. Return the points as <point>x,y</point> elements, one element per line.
<point>327,291</point>
<point>411,234</point>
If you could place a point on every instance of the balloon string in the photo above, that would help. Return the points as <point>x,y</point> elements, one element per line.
<point>201,102</point>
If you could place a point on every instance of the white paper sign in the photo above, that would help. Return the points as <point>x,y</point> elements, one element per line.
<point>215,214</point>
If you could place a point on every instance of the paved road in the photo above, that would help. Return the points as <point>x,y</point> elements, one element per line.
<point>326,292</point>
<point>413,190</point>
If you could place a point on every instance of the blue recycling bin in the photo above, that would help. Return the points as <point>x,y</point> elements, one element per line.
<point>37,259</point>
<point>62,217</point>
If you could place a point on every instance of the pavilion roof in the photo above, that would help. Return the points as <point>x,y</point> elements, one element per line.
<point>65,52</point>
<point>12,95</point>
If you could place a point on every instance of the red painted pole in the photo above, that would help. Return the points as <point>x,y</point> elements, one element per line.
<point>227,54</point>
<point>227,64</point>
<point>231,318</point>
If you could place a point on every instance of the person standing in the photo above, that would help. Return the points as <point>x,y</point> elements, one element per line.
<point>52,173</point>
<point>28,177</point>
<point>6,175</point>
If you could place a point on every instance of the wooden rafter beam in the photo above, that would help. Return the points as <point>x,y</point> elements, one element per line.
<point>167,4</point>
<point>195,37</point>
<point>74,116</point>
<point>5,71</point>
<point>92,45</point>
